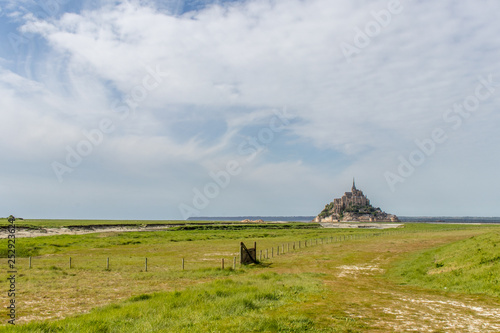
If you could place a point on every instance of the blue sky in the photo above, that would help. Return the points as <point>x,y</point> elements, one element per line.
<point>170,109</point>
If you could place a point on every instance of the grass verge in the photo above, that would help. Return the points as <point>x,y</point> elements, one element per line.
<point>470,266</point>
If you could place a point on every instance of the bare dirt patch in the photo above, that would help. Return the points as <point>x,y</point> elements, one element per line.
<point>438,313</point>
<point>354,270</point>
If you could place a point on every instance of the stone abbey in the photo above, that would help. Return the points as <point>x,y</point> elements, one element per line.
<point>353,206</point>
<point>353,198</point>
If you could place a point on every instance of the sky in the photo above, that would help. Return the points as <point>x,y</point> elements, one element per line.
<point>175,109</point>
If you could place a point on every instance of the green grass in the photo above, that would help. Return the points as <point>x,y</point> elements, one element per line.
<point>141,243</point>
<point>51,287</point>
<point>60,223</point>
<point>261,303</point>
<point>469,266</point>
<point>296,292</point>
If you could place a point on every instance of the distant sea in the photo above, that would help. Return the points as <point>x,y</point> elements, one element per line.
<point>443,219</point>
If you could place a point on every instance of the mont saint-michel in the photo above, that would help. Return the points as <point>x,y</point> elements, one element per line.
<point>353,206</point>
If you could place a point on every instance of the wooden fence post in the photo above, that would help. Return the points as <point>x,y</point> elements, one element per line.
<point>146,264</point>
<point>241,254</point>
<point>107,263</point>
<point>222,263</point>
<point>182,263</point>
<point>30,262</point>
<point>69,262</point>
<point>234,263</point>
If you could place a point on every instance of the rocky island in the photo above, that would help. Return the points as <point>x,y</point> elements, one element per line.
<point>354,206</point>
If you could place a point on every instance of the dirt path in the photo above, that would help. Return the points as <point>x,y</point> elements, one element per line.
<point>430,313</point>
<point>409,309</point>
<point>359,291</point>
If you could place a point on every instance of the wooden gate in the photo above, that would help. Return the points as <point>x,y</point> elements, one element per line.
<point>248,255</point>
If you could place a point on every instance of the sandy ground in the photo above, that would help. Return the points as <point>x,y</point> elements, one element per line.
<point>424,312</point>
<point>432,313</point>
<point>27,232</point>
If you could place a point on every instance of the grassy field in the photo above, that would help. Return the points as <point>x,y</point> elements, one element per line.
<point>40,223</point>
<point>345,280</point>
<point>260,303</point>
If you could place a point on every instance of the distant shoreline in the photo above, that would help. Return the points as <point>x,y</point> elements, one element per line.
<point>415,219</point>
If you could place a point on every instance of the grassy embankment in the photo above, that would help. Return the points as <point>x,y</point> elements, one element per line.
<point>469,266</point>
<point>297,292</point>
